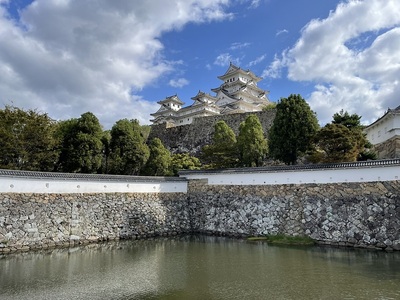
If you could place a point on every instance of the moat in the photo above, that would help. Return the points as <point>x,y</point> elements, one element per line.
<point>200,267</point>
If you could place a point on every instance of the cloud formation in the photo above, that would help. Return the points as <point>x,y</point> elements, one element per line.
<point>257,60</point>
<point>224,59</point>
<point>69,57</point>
<point>279,32</point>
<point>178,83</point>
<point>351,56</point>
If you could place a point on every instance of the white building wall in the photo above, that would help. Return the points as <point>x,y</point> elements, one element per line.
<point>384,130</point>
<point>322,176</point>
<point>31,185</point>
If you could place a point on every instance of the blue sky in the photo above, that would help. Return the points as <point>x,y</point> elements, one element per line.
<point>118,58</point>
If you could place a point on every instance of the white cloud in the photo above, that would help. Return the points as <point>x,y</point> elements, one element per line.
<point>236,46</point>
<point>178,83</point>
<point>69,57</point>
<point>257,60</point>
<point>362,80</point>
<point>279,32</point>
<point>274,70</point>
<point>255,3</point>
<point>225,59</point>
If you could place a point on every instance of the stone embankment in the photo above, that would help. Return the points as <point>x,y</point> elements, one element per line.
<point>37,221</point>
<point>346,208</point>
<point>347,214</point>
<point>193,137</point>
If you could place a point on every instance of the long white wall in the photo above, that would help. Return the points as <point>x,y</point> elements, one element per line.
<point>300,176</point>
<point>39,182</point>
<point>46,185</point>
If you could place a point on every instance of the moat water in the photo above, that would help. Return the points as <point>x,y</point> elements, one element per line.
<point>200,268</point>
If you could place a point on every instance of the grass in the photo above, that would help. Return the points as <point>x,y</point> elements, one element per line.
<point>281,239</point>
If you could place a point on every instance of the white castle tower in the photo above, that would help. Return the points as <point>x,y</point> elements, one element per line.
<point>238,93</point>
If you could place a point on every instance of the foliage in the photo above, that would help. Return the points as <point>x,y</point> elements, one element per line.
<point>106,141</point>
<point>293,129</point>
<point>128,150</point>
<point>184,161</point>
<point>145,131</point>
<point>252,145</point>
<point>345,119</point>
<point>338,143</point>
<point>81,144</point>
<point>344,140</point>
<point>222,153</point>
<point>367,154</point>
<point>159,162</point>
<point>270,106</point>
<point>27,140</point>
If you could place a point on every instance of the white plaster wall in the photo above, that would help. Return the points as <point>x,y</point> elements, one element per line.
<point>322,176</point>
<point>384,129</point>
<point>27,185</point>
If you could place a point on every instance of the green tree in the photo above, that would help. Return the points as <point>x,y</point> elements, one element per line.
<point>82,148</point>
<point>159,162</point>
<point>293,129</point>
<point>222,153</point>
<point>270,106</point>
<point>252,145</point>
<point>145,131</point>
<point>353,123</point>
<point>27,140</point>
<point>184,161</point>
<point>128,150</point>
<point>338,143</point>
<point>345,119</point>
<point>106,141</point>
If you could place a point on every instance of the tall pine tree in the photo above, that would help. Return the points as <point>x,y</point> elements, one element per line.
<point>293,129</point>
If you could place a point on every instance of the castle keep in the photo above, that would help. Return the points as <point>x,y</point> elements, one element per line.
<point>238,93</point>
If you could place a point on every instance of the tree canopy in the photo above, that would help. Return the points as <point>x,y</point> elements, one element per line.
<point>27,140</point>
<point>81,144</point>
<point>222,153</point>
<point>184,161</point>
<point>343,140</point>
<point>345,119</point>
<point>252,145</point>
<point>128,150</point>
<point>293,129</point>
<point>159,162</point>
<point>338,143</point>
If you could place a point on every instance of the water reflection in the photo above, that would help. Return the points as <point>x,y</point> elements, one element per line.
<point>200,268</point>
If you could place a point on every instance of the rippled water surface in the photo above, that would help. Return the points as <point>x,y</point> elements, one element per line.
<point>200,268</point>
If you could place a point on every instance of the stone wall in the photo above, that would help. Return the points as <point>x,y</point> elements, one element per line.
<point>349,214</point>
<point>357,214</point>
<point>191,138</point>
<point>389,148</point>
<point>32,221</point>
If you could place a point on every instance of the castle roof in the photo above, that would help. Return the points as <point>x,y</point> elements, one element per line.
<point>237,70</point>
<point>394,111</point>
<point>200,95</point>
<point>170,99</point>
